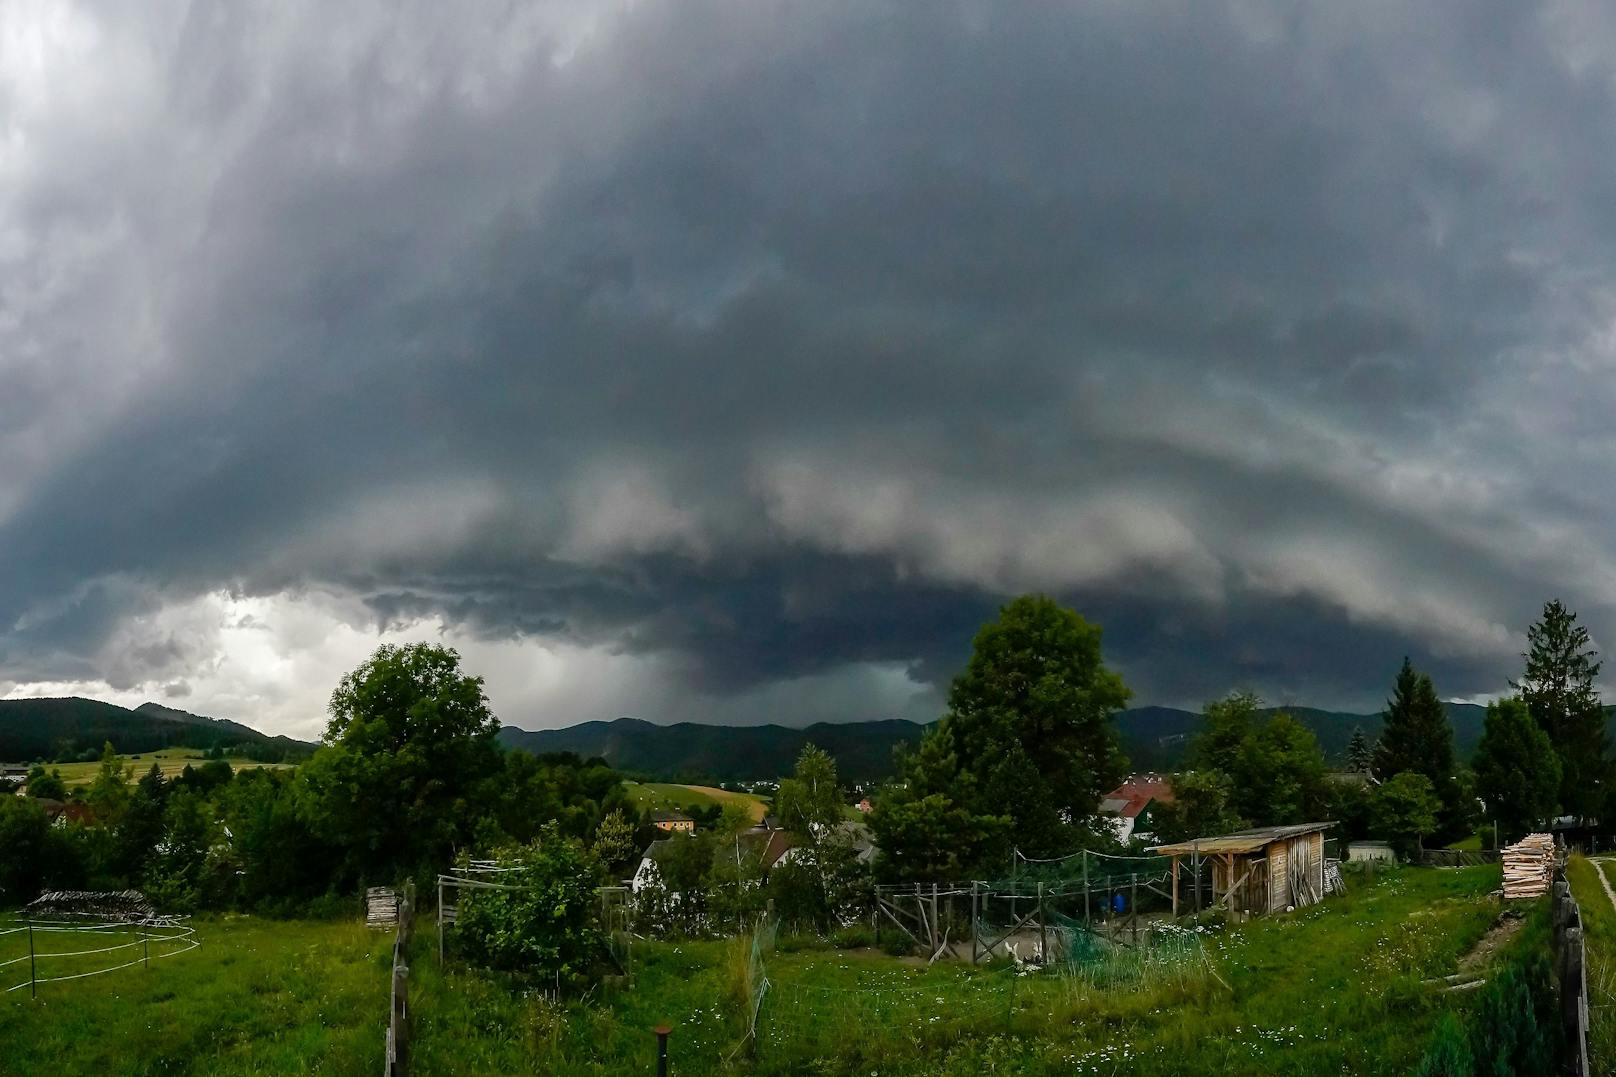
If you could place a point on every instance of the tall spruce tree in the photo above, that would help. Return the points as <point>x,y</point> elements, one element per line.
<point>1418,739</point>
<point>1558,688</point>
<point>1360,753</point>
<point>1417,736</point>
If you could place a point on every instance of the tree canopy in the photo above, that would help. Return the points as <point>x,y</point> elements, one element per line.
<point>1517,771</point>
<point>1558,689</point>
<point>1027,747</point>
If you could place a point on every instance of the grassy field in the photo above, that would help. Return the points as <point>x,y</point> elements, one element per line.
<point>171,760</point>
<point>671,797</point>
<point>257,997</point>
<point>1599,928</point>
<point>1334,989</point>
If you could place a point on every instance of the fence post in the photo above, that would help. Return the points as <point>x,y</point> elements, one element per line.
<point>33,976</point>
<point>1043,938</point>
<point>145,952</point>
<point>662,1049</point>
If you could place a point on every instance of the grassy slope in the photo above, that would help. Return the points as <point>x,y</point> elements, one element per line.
<point>1333,989</point>
<point>171,760</point>
<point>260,997</point>
<point>682,797</point>
<point>1599,927</point>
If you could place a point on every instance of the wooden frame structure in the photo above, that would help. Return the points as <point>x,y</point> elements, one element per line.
<point>1257,871</point>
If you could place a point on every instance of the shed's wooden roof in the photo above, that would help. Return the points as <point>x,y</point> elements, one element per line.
<point>1244,841</point>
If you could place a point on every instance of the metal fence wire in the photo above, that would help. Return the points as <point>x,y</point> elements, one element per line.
<point>50,948</point>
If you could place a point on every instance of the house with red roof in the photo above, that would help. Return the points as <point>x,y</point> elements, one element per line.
<point>1129,805</point>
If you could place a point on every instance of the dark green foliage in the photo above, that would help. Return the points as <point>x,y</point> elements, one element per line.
<point>1515,1033</point>
<point>1418,737</point>
<point>1449,1054</point>
<point>1360,753</point>
<point>1202,805</point>
<point>46,786</point>
<point>1517,770</point>
<point>1027,742</point>
<point>25,840</point>
<point>74,729</point>
<point>1404,810</point>
<point>409,741</point>
<point>1276,772</point>
<point>1558,689</point>
<point>546,929</point>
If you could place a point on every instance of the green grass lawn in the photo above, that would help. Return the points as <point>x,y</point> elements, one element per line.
<point>1333,989</point>
<point>257,997</point>
<point>1599,931</point>
<point>171,760</point>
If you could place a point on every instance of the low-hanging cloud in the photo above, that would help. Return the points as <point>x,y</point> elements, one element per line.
<point>749,354</point>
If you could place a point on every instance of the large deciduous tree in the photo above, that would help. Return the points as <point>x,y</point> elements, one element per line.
<point>1517,771</point>
<point>1024,753</point>
<point>1276,770</point>
<point>409,741</point>
<point>1558,688</point>
<point>1404,810</point>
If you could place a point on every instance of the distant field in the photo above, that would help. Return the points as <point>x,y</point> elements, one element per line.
<point>258,997</point>
<point>682,797</point>
<point>171,760</point>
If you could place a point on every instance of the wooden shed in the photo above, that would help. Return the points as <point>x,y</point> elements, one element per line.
<point>1257,871</point>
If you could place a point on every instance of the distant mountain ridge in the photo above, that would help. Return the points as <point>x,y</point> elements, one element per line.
<point>50,728</point>
<point>1155,738</point>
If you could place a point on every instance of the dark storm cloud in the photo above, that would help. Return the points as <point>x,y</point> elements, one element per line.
<point>773,340</point>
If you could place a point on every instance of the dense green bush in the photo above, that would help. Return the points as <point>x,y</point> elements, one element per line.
<point>546,924</point>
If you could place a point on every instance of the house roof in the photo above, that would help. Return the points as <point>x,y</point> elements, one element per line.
<point>669,817</point>
<point>1131,797</point>
<point>770,845</point>
<point>1241,841</point>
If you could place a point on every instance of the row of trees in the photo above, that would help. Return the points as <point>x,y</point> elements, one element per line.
<point>1027,748</point>
<point>409,776</point>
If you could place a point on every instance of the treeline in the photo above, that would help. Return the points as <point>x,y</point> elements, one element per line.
<point>1028,746</point>
<point>408,778</point>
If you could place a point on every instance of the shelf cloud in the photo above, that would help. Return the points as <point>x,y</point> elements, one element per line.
<point>733,361</point>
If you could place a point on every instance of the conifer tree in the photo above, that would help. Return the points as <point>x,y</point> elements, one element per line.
<point>1558,688</point>
<point>1360,753</point>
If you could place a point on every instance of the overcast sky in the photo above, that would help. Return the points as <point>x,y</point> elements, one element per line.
<point>733,361</point>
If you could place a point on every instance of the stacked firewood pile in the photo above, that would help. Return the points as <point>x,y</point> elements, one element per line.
<point>1528,866</point>
<point>127,905</point>
<point>381,906</point>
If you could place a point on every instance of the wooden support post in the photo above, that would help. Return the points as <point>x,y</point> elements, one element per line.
<point>1195,873</point>
<point>1087,915</point>
<point>1175,887</point>
<point>33,975</point>
<point>1043,936</point>
<point>976,921</point>
<point>440,923</point>
<point>1133,906</point>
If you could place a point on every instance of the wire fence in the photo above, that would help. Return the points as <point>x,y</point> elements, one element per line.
<point>57,951</point>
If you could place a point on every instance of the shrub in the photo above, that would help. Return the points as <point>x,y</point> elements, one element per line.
<point>546,928</point>
<point>1449,1053</point>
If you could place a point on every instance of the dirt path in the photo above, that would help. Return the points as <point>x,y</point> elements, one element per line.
<point>1604,880</point>
<point>1504,928</point>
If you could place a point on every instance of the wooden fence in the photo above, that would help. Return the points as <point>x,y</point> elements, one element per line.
<point>1457,858</point>
<point>398,1021</point>
<point>1571,974</point>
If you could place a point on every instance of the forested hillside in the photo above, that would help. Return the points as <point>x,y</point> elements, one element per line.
<point>1155,738</point>
<point>72,727</point>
